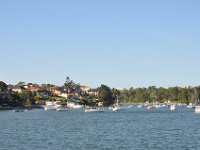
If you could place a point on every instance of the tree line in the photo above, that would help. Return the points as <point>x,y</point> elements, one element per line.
<point>184,95</point>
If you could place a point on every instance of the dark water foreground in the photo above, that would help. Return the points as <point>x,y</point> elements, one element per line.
<point>132,129</point>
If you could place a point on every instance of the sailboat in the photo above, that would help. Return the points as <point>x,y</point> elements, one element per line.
<point>116,106</point>
<point>151,106</point>
<point>197,106</point>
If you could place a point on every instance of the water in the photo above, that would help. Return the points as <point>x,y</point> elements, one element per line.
<point>133,129</point>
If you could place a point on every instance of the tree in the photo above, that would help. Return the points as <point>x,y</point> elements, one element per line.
<point>105,95</point>
<point>47,86</point>
<point>38,97</point>
<point>115,94</point>
<point>14,99</point>
<point>68,85</point>
<point>21,84</point>
<point>3,86</point>
<point>27,97</point>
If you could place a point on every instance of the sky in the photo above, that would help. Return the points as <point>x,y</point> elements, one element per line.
<point>119,43</point>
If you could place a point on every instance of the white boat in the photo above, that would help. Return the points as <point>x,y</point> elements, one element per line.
<point>94,109</point>
<point>77,106</point>
<point>19,110</point>
<point>197,108</point>
<point>74,105</point>
<point>51,106</point>
<point>130,106</point>
<point>150,107</point>
<point>157,106</point>
<point>172,107</point>
<point>140,106</point>
<point>116,107</point>
<point>191,105</point>
<point>61,108</point>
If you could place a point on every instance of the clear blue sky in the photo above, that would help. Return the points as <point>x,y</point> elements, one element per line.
<point>120,43</point>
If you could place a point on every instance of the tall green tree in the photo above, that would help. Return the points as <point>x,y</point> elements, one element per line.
<point>27,98</point>
<point>115,93</point>
<point>14,99</point>
<point>21,83</point>
<point>69,85</point>
<point>105,95</point>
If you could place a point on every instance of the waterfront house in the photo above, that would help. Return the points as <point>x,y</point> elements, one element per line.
<point>33,89</point>
<point>84,89</point>
<point>93,92</point>
<point>18,89</point>
<point>44,93</point>
<point>55,91</point>
<point>69,95</point>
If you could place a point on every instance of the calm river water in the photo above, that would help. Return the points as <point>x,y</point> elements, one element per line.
<point>132,129</point>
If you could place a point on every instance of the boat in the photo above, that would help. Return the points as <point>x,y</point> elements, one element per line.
<point>94,109</point>
<point>173,107</point>
<point>197,108</point>
<point>61,108</point>
<point>149,107</point>
<point>116,106</point>
<point>157,106</point>
<point>197,103</point>
<point>191,106</point>
<point>51,106</point>
<point>140,106</point>
<point>18,109</point>
<point>74,105</point>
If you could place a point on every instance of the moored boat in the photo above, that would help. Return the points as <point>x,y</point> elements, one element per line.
<point>51,106</point>
<point>197,108</point>
<point>116,106</point>
<point>94,109</point>
<point>173,107</point>
<point>18,109</point>
<point>191,105</point>
<point>62,108</point>
<point>140,105</point>
<point>149,107</point>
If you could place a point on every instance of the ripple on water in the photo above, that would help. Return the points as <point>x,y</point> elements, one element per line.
<point>128,130</point>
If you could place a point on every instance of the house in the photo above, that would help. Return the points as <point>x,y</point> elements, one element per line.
<point>85,89</point>
<point>71,88</point>
<point>93,92</point>
<point>63,95</point>
<point>56,92</point>
<point>18,89</point>
<point>44,93</point>
<point>69,95</point>
<point>33,89</point>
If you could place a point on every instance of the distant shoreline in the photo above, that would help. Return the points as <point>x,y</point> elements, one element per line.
<point>25,107</point>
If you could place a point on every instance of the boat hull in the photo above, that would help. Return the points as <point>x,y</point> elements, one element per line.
<point>94,110</point>
<point>197,109</point>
